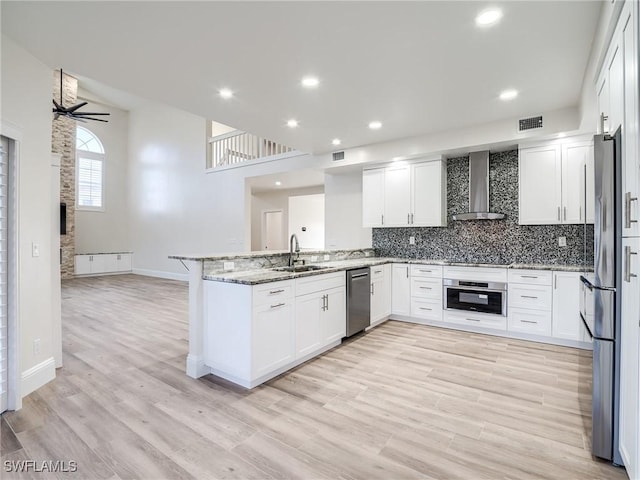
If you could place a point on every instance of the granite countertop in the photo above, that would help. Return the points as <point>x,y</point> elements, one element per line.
<point>259,253</point>
<point>258,276</point>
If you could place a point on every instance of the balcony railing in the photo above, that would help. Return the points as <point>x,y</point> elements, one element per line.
<point>239,147</point>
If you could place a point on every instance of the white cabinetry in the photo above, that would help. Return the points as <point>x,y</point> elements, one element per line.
<point>566,306</point>
<point>373,197</point>
<point>320,312</point>
<point>397,196</point>
<point>553,180</point>
<point>272,329</point>
<point>530,302</point>
<point>103,263</point>
<point>630,338</point>
<point>380,293</point>
<point>400,289</point>
<point>426,292</point>
<point>405,195</point>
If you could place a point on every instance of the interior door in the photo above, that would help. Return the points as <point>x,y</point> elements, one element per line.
<point>273,238</point>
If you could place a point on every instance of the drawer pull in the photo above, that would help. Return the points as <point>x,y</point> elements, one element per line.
<point>528,321</point>
<point>278,305</point>
<point>427,288</point>
<point>425,271</point>
<point>273,292</point>
<point>527,296</point>
<point>425,308</point>
<point>377,271</point>
<point>473,319</point>
<point>528,276</point>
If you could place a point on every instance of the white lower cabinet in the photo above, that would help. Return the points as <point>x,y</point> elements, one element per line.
<point>103,263</point>
<point>474,320</point>
<point>566,306</point>
<point>320,312</point>
<point>400,289</point>
<point>530,302</point>
<point>380,293</point>
<point>272,327</point>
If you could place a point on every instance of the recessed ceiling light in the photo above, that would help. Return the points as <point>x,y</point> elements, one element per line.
<point>488,17</point>
<point>375,125</point>
<point>278,183</point>
<point>336,141</point>
<point>292,123</point>
<point>225,93</point>
<point>508,95</point>
<point>310,82</point>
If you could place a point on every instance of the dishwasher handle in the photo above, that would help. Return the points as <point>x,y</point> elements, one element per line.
<point>360,275</point>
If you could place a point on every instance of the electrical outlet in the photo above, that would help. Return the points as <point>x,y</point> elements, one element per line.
<point>36,346</point>
<point>228,266</point>
<point>412,240</point>
<point>35,250</point>
<point>562,241</point>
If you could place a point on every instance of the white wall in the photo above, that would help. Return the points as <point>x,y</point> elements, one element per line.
<point>343,211</point>
<point>274,200</point>
<point>108,230</point>
<point>26,106</point>
<point>306,220</point>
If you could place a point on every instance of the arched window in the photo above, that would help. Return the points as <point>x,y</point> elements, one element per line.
<point>89,170</point>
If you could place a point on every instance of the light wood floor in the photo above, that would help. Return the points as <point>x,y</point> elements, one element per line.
<point>401,402</point>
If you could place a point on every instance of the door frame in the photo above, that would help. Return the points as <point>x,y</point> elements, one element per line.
<point>14,397</point>
<point>263,224</point>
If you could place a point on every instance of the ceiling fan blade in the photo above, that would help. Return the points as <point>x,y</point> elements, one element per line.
<point>87,113</point>
<point>75,107</point>
<point>83,118</point>
<point>58,107</point>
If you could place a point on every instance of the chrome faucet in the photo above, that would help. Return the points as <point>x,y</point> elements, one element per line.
<point>291,249</point>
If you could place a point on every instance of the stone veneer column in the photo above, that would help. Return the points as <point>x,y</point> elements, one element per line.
<point>63,141</point>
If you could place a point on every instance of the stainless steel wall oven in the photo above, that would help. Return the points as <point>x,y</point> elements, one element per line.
<point>481,297</point>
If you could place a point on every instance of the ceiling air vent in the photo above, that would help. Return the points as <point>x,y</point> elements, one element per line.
<point>338,156</point>
<point>529,123</point>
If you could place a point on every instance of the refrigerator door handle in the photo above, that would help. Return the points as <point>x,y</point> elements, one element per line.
<point>586,282</point>
<point>586,325</point>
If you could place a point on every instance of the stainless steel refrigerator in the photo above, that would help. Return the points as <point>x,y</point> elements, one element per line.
<point>600,310</point>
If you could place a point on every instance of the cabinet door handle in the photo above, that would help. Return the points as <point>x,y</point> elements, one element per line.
<point>565,213</point>
<point>273,292</point>
<point>627,209</point>
<point>408,219</point>
<point>327,297</point>
<point>373,289</point>
<point>412,219</point>
<point>559,214</point>
<point>603,118</point>
<point>528,321</point>
<point>528,296</point>
<point>382,219</point>
<point>407,272</point>
<point>277,305</point>
<point>555,282</point>
<point>627,264</point>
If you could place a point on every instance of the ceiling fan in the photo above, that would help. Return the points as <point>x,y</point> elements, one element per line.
<point>59,110</point>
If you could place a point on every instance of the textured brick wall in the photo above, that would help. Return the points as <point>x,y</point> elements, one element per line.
<point>63,141</point>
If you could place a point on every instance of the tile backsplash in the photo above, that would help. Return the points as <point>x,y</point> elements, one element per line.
<point>487,241</point>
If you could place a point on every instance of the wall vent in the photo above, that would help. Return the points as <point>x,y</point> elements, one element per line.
<point>529,123</point>
<point>338,156</point>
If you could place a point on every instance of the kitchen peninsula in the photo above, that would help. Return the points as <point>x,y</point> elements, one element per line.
<point>251,317</point>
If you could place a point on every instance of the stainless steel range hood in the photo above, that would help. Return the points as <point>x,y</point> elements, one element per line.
<point>479,189</point>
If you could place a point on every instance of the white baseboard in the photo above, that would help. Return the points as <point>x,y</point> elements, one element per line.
<point>37,376</point>
<point>184,277</point>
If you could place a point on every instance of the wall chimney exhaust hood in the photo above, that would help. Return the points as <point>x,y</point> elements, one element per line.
<point>479,189</point>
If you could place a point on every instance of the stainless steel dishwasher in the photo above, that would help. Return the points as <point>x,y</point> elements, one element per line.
<point>358,300</point>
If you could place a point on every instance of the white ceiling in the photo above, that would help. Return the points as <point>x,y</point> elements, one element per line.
<point>419,67</point>
<point>287,180</point>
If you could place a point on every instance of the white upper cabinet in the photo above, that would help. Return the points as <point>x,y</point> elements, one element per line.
<point>540,185</point>
<point>616,89</point>
<point>429,194</point>
<point>577,179</point>
<point>373,197</point>
<point>397,196</point>
<point>556,183</point>
<point>405,195</point>
<point>630,163</point>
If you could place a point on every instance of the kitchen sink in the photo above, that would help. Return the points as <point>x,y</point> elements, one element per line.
<point>300,268</point>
